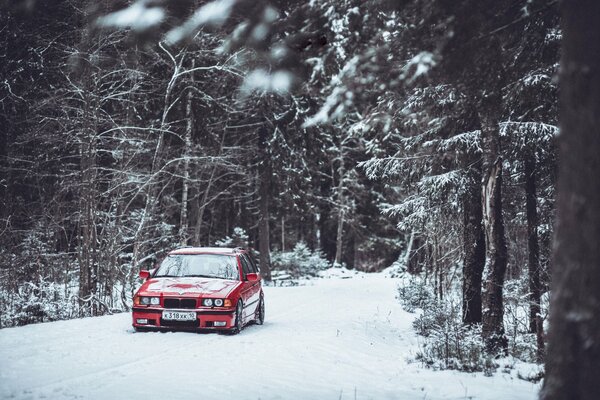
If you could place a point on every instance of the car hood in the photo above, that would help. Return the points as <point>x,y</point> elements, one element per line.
<point>189,286</point>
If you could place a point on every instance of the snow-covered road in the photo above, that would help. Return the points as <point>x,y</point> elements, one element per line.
<point>332,339</point>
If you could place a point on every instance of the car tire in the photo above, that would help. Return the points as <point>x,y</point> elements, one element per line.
<point>259,317</point>
<point>238,318</point>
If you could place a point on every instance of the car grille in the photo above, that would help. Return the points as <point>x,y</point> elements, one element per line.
<point>180,303</point>
<point>182,324</point>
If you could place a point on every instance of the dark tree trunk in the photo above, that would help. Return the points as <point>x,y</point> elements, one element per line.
<point>474,249</point>
<point>264,191</point>
<point>535,318</point>
<point>573,358</point>
<point>493,225</point>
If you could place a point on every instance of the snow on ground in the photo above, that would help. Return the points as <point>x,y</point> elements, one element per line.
<point>330,339</point>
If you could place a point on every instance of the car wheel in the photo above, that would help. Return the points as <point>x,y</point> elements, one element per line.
<point>238,318</point>
<point>259,318</point>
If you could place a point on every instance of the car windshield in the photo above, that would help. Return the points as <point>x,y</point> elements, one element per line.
<point>199,265</point>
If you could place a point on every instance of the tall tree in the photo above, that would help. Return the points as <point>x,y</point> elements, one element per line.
<point>573,358</point>
<point>473,246</point>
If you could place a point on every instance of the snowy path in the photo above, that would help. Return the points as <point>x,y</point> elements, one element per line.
<point>335,339</point>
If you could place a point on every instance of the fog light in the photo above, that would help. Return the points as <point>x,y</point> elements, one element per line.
<point>141,321</point>
<point>220,323</point>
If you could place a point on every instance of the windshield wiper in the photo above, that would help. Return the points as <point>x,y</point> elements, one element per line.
<point>202,276</point>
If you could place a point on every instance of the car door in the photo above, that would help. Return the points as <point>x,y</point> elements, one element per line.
<point>254,266</point>
<point>247,288</point>
<point>250,293</point>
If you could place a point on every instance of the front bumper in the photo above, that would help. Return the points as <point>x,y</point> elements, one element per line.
<point>206,319</point>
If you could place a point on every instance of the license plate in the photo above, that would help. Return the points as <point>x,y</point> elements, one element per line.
<point>179,315</point>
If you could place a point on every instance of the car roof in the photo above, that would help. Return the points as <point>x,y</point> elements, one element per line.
<point>207,250</point>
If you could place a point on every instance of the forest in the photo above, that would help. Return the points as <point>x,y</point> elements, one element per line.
<point>358,134</point>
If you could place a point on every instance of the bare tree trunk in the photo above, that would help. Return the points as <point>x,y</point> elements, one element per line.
<point>339,240</point>
<point>283,233</point>
<point>151,191</point>
<point>263,228</point>
<point>317,228</point>
<point>535,318</point>
<point>474,250</point>
<point>183,215</point>
<point>573,358</point>
<point>493,225</point>
<point>86,222</point>
<point>203,201</point>
<point>438,267</point>
<point>409,248</point>
<point>87,201</point>
<point>264,191</point>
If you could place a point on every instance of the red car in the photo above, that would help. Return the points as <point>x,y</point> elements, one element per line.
<point>200,288</point>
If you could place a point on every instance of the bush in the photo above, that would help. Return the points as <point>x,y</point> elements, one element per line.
<point>239,238</point>
<point>299,262</point>
<point>447,343</point>
<point>416,294</point>
<point>523,344</point>
<point>41,301</point>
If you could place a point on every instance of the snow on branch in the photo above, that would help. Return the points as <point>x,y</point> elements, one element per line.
<point>140,16</point>
<point>213,14</point>
<point>387,167</point>
<point>523,134</point>
<point>262,80</point>
<point>438,185</point>
<point>417,66</point>
<point>469,141</point>
<point>339,100</point>
<point>412,213</point>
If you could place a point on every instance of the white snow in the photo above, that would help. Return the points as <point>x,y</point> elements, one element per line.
<point>329,339</point>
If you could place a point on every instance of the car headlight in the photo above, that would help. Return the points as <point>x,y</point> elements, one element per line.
<point>146,301</point>
<point>216,302</point>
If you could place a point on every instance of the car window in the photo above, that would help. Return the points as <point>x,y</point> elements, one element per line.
<point>245,265</point>
<point>252,263</point>
<point>199,265</point>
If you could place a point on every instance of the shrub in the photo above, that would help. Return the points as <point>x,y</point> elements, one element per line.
<point>41,301</point>
<point>239,238</point>
<point>301,261</point>
<point>523,344</point>
<point>415,294</point>
<point>447,342</point>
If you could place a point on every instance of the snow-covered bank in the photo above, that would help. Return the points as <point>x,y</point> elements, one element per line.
<point>330,339</point>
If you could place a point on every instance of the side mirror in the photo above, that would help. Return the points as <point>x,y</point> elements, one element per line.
<point>144,274</point>
<point>252,277</point>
